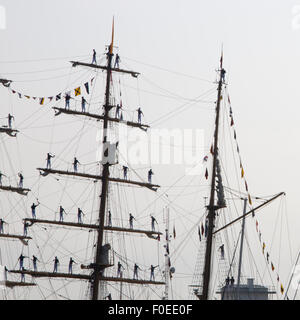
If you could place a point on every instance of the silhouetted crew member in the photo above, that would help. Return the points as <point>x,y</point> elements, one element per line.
<point>117,61</point>
<point>109,219</point>
<point>140,113</point>
<point>223,75</point>
<point>109,297</point>
<point>125,171</point>
<point>94,57</point>
<point>23,275</point>
<point>33,207</point>
<point>21,259</point>
<point>152,268</point>
<point>222,251</point>
<point>135,271</point>
<point>232,281</point>
<point>79,215</point>
<point>119,272</point>
<point>71,265</point>
<point>21,180</point>
<point>206,227</point>
<point>75,164</point>
<point>34,260</point>
<point>1,175</point>
<point>5,273</point>
<point>118,110</point>
<point>83,103</point>
<point>26,225</point>
<point>227,281</point>
<point>1,225</point>
<point>49,156</point>
<point>131,217</point>
<point>10,118</point>
<point>153,220</point>
<point>150,174</point>
<point>67,99</point>
<point>61,213</point>
<point>56,263</point>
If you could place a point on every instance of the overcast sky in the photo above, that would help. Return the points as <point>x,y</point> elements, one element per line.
<point>261,43</point>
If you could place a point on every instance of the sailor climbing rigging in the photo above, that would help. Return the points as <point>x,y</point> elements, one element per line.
<point>49,156</point>
<point>61,213</point>
<point>10,118</point>
<point>125,171</point>
<point>75,164</point>
<point>94,57</point>
<point>150,174</point>
<point>33,207</point>
<point>71,265</point>
<point>56,263</point>
<point>79,215</point>
<point>153,221</point>
<point>21,180</point>
<point>152,269</point>
<point>34,261</point>
<point>135,271</point>
<point>140,113</point>
<point>83,103</point>
<point>131,217</point>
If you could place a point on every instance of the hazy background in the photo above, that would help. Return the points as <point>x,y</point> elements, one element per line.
<point>261,41</point>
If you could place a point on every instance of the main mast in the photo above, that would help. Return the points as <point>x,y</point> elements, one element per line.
<point>101,261</point>
<point>105,174</point>
<point>212,208</point>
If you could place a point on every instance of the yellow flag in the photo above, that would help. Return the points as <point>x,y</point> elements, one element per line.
<point>242,173</point>
<point>263,248</point>
<point>77,91</point>
<point>281,289</point>
<point>250,201</point>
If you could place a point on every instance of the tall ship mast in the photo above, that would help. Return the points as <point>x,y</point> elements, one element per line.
<point>21,191</point>
<point>103,229</point>
<point>96,273</point>
<point>211,255</point>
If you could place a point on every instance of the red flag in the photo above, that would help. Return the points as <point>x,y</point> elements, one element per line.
<point>256,225</point>
<point>202,229</point>
<point>232,123</point>
<point>206,174</point>
<point>272,266</point>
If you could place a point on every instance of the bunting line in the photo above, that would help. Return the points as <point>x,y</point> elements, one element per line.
<point>264,251</point>
<point>46,100</point>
